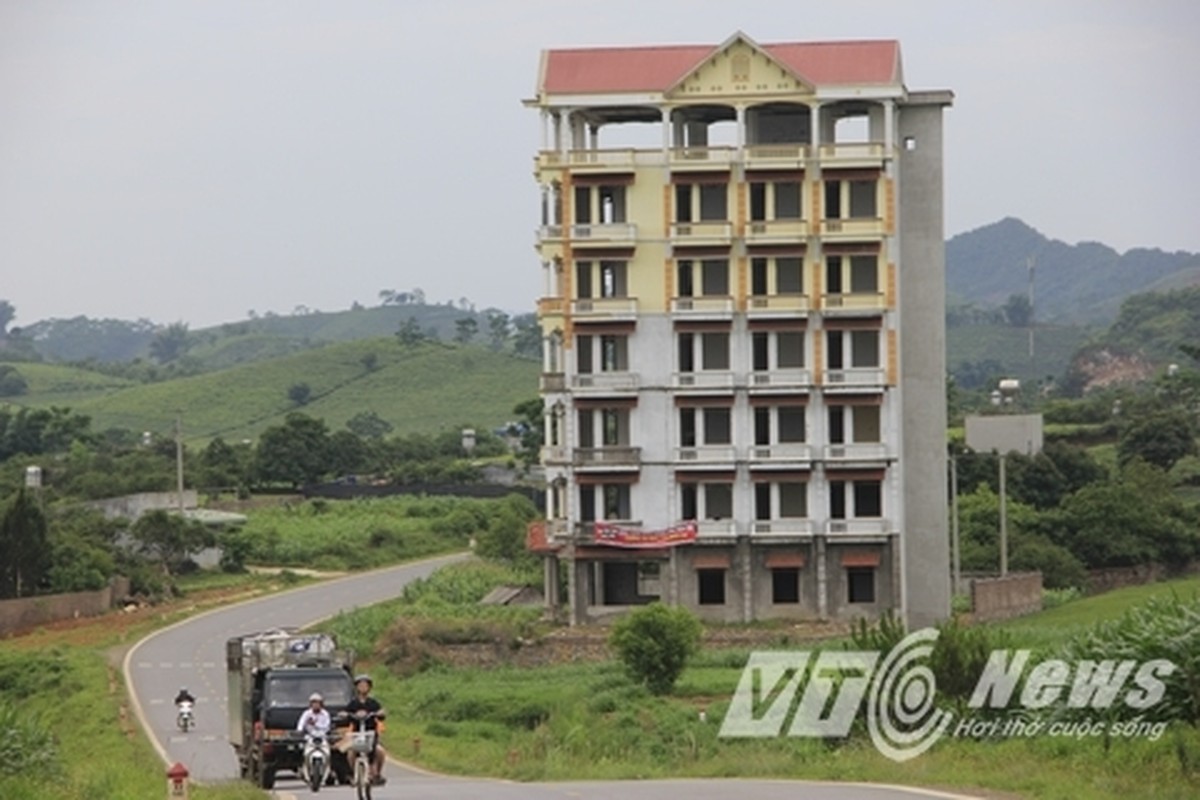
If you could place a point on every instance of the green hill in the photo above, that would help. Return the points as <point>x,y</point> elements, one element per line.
<point>975,352</point>
<point>427,388</point>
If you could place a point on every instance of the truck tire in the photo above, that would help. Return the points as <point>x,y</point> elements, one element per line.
<point>266,777</point>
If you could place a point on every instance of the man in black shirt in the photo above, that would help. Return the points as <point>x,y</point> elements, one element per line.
<point>361,705</point>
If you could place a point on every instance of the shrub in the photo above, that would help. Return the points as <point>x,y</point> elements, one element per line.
<point>654,643</point>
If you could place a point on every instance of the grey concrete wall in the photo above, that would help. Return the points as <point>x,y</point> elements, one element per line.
<point>29,612</point>
<point>1003,598</point>
<point>921,288</point>
<point>133,506</point>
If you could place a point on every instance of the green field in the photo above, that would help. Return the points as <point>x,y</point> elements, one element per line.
<point>425,388</point>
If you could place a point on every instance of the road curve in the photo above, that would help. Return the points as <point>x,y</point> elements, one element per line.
<point>191,653</point>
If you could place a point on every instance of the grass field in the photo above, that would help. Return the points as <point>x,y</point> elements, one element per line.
<point>588,721</point>
<point>426,388</point>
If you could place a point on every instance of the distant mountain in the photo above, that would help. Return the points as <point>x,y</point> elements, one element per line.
<point>1073,284</point>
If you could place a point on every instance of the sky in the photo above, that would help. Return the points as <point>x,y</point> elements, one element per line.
<point>194,160</point>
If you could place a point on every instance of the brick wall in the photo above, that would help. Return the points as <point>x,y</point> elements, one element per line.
<point>1105,580</point>
<point>29,612</point>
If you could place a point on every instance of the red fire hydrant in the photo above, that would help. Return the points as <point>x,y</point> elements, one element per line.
<point>177,782</point>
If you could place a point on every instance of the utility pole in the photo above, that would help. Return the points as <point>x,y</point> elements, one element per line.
<point>955,553</point>
<point>179,459</point>
<point>1003,516</point>
<point>1030,262</point>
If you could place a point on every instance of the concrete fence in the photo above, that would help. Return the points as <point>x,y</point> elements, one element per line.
<point>1105,580</point>
<point>28,612</point>
<point>1013,595</point>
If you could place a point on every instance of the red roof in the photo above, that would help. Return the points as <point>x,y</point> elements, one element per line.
<point>656,69</point>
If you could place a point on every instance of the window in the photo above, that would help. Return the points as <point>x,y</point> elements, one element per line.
<point>791,423</point>
<point>864,274</point>
<point>713,278</point>
<point>612,430</point>
<point>704,202</point>
<point>860,584</point>
<point>785,585</point>
<point>862,199</point>
<point>868,499</point>
<point>712,586</point>
<point>863,348</point>
<point>782,198</point>
<point>787,200</point>
<point>858,197</point>
<point>776,276</point>
<point>713,351</point>
<point>793,500</point>
<point>599,205</point>
<point>864,424</point>
<point>614,353</point>
<point>613,281</point>
<point>716,425</point>
<point>583,279</point>
<point>706,501</point>
<point>790,349</point>
<point>616,501</point>
<point>762,501</point>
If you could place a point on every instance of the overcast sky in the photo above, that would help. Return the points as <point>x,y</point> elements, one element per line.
<point>192,160</point>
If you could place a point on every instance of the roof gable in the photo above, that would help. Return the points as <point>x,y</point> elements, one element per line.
<point>739,65</point>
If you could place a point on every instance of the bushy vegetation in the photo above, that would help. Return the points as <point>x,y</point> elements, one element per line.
<point>654,643</point>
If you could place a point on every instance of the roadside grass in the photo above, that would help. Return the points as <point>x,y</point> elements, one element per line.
<point>587,720</point>
<point>334,535</point>
<point>66,677</point>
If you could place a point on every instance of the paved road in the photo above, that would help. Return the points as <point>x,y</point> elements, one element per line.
<point>192,654</point>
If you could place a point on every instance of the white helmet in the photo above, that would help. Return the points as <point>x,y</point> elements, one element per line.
<point>316,696</point>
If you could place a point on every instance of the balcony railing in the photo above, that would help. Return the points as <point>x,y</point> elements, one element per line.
<point>789,379</point>
<point>776,231</point>
<point>692,157</point>
<point>706,454</point>
<point>704,379</point>
<point>605,308</point>
<point>789,452</point>
<point>605,232</point>
<point>550,233</point>
<point>705,232</point>
<point>552,382</point>
<point>600,382</point>
<point>608,456</point>
<point>775,155</point>
<point>857,527</point>
<point>853,303</point>
<point>554,454</point>
<point>551,305</point>
<point>852,228</point>
<point>557,528</point>
<point>703,307</point>
<point>776,305</point>
<point>852,154</point>
<point>614,158</point>
<point>856,451</point>
<point>781,527</point>
<point>715,528</point>
<point>854,377</point>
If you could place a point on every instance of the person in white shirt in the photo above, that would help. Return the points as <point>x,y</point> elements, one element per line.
<point>315,719</point>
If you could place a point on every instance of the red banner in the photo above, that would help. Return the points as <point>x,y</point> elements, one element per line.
<point>616,536</point>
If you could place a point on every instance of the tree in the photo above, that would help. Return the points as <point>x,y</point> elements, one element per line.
<point>299,393</point>
<point>296,452</point>
<point>26,556</point>
<point>7,314</point>
<point>527,337</point>
<point>348,454</point>
<point>169,539</point>
<point>497,329</point>
<point>370,362</point>
<point>1018,311</point>
<point>654,643</point>
<point>465,329</point>
<point>12,383</point>
<point>368,425</point>
<point>410,334</point>
<point>1160,439</point>
<point>386,296</point>
<point>222,465</point>
<point>170,343</point>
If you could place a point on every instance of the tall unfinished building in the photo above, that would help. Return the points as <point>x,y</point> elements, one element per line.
<point>744,355</point>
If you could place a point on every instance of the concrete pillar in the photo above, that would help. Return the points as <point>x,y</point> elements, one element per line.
<point>697,134</point>
<point>822,578</point>
<point>743,555</point>
<point>550,581</point>
<point>889,127</point>
<point>740,111</point>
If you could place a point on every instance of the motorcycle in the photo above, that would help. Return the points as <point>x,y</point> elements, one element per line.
<point>184,718</point>
<point>315,765</point>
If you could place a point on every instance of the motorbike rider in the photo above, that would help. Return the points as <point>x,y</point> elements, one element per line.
<point>359,706</point>
<point>184,696</point>
<point>315,719</point>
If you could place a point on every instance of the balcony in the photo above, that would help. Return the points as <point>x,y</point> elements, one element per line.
<point>720,381</point>
<point>615,159</point>
<point>854,304</point>
<point>699,158</point>
<point>873,526</point>
<point>780,380</point>
<point>781,528</point>
<point>722,454</point>
<point>550,234</point>
<point>765,306</point>
<point>703,233</point>
<point>557,528</point>
<point>605,308</point>
<point>715,529</point>
<point>854,378</point>
<point>609,456</point>
<point>848,155</point>
<point>852,229</point>
<point>604,382</point>
<point>614,233</point>
<point>872,452</point>
<point>718,307</point>
<point>776,231</point>
<point>775,156</point>
<point>552,382</point>
<point>782,452</point>
<point>554,454</point>
<point>551,306</point>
